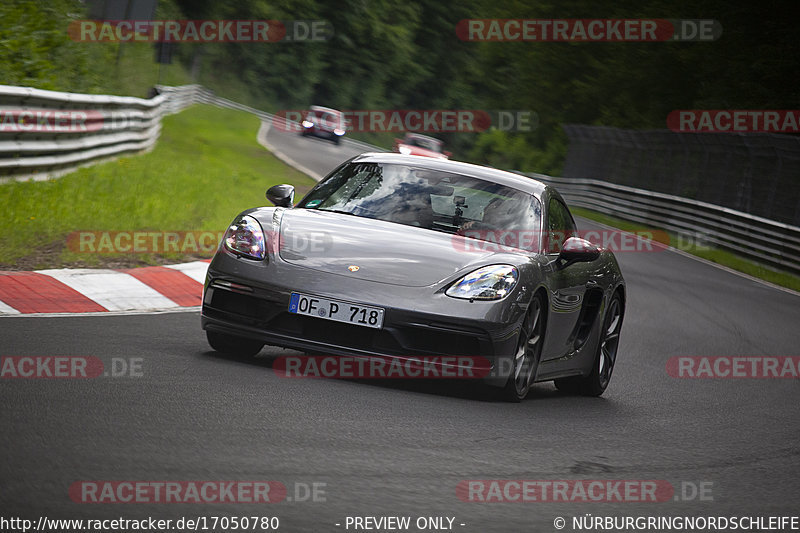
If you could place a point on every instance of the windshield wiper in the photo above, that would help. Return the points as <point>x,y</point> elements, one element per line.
<point>338,211</point>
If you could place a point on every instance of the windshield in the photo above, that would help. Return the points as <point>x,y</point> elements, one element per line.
<point>326,118</point>
<point>434,200</point>
<point>425,142</point>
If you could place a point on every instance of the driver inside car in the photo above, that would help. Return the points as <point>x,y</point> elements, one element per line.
<point>493,215</point>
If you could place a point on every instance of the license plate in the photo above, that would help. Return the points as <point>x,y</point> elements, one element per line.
<point>349,313</point>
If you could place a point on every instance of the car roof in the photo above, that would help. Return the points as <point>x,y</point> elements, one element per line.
<point>325,109</point>
<point>420,136</point>
<point>502,177</point>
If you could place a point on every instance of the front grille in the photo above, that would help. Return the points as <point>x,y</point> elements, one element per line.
<point>337,333</point>
<point>394,339</point>
<point>441,342</point>
<point>245,308</point>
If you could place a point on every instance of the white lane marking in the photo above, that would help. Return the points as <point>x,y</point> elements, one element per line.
<point>702,260</point>
<point>116,291</point>
<point>195,309</point>
<point>195,270</point>
<point>8,310</point>
<point>262,140</point>
<point>732,271</point>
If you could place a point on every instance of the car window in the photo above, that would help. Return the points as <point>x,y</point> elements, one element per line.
<point>329,118</point>
<point>428,144</point>
<point>434,200</point>
<point>472,208</point>
<point>348,185</point>
<point>560,225</point>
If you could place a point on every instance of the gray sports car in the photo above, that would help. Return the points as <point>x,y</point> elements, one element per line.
<point>400,257</point>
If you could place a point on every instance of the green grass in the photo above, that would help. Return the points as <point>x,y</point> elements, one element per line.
<point>716,255</point>
<point>206,168</point>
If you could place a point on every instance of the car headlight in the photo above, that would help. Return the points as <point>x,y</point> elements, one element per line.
<point>338,131</point>
<point>307,123</point>
<point>487,283</point>
<point>245,238</point>
<point>405,150</point>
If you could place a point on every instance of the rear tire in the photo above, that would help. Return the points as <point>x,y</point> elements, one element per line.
<point>528,353</point>
<point>232,345</point>
<point>605,357</point>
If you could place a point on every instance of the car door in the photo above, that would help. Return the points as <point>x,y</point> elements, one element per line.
<point>566,285</point>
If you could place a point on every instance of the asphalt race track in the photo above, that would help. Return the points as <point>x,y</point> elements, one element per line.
<point>401,448</point>
<point>317,155</point>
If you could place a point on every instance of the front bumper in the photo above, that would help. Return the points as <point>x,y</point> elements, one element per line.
<point>322,133</point>
<point>245,305</point>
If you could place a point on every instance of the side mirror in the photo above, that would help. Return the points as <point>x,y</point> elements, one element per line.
<point>577,250</point>
<point>281,195</point>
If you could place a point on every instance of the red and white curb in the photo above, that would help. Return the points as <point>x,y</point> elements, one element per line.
<point>76,291</point>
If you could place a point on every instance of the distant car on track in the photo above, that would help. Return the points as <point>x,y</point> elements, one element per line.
<point>325,123</point>
<point>416,144</point>
<point>408,267</point>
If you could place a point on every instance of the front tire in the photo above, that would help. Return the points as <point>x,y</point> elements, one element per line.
<point>528,353</point>
<point>232,345</point>
<point>597,381</point>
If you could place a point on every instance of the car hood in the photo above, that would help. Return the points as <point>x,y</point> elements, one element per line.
<point>384,252</point>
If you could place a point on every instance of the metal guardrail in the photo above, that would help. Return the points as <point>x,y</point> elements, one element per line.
<point>45,134</point>
<point>765,241</point>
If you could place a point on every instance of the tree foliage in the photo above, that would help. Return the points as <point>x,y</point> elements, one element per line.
<point>406,55</point>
